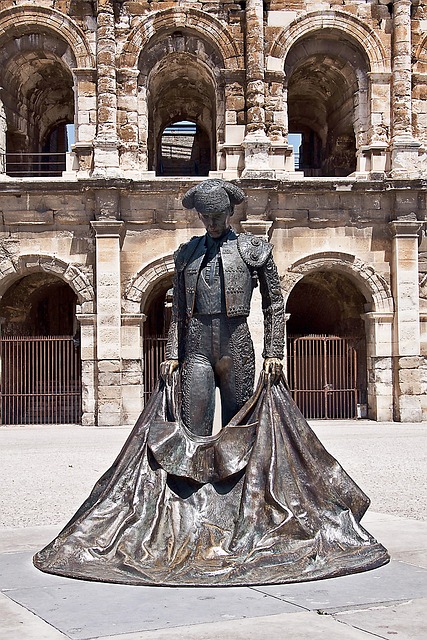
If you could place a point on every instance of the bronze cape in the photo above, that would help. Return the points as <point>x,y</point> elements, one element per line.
<point>262,502</point>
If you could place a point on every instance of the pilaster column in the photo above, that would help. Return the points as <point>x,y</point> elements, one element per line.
<point>131,130</point>
<point>379,334</point>
<point>108,320</point>
<point>406,329</point>
<point>282,158</point>
<point>404,146</point>
<point>106,142</point>
<point>85,118</point>
<point>132,378</point>
<point>87,323</point>
<point>256,143</point>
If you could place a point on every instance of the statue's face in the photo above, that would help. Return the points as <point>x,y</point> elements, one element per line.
<point>216,224</point>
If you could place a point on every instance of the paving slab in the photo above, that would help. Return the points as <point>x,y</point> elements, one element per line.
<point>16,623</point>
<point>400,536</point>
<point>394,582</point>
<point>26,539</point>
<point>390,602</point>
<point>82,609</point>
<point>17,571</point>
<point>291,626</point>
<point>402,621</point>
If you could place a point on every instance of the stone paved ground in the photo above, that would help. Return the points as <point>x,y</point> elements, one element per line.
<point>46,472</point>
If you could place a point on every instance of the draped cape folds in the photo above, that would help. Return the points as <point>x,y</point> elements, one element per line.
<point>262,502</point>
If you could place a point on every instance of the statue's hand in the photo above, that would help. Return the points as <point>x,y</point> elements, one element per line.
<point>167,368</point>
<point>273,367</point>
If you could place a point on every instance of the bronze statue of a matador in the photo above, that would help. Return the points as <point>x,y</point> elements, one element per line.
<point>215,275</point>
<point>262,501</point>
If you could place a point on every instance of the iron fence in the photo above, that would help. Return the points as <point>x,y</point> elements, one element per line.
<point>322,373</point>
<point>154,354</point>
<point>40,380</point>
<point>28,164</point>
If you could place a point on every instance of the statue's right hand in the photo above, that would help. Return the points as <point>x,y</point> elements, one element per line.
<point>167,368</point>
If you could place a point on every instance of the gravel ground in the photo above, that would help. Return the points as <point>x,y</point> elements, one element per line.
<point>47,471</point>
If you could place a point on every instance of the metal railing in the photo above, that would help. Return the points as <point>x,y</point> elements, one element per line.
<point>34,165</point>
<point>40,380</point>
<point>154,354</point>
<point>322,372</point>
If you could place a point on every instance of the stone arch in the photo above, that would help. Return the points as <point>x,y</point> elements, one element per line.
<point>209,27</point>
<point>190,94</point>
<point>372,285</point>
<point>41,50</point>
<point>16,22</point>
<point>420,56</point>
<point>327,58</point>
<point>324,73</point>
<point>73,275</point>
<point>140,286</point>
<point>366,38</point>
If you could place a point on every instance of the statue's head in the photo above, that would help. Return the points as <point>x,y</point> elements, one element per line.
<point>214,201</point>
<point>213,197</point>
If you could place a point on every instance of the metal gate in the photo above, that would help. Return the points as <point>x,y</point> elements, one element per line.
<point>154,354</point>
<point>40,380</point>
<point>322,372</point>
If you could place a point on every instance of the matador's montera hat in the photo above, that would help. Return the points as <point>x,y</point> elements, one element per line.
<point>213,196</point>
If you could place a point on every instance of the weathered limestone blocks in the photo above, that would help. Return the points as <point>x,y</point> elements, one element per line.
<point>380,388</point>
<point>132,68</point>
<point>89,393</point>
<point>109,379</point>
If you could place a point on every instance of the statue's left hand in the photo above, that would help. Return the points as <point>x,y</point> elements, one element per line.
<point>273,367</point>
<point>167,368</point>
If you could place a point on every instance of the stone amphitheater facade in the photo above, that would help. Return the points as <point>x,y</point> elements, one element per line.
<point>90,199</point>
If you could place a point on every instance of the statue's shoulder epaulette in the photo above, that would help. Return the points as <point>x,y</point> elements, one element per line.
<point>253,249</point>
<point>184,252</point>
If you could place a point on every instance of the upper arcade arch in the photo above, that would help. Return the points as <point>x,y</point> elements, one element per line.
<point>349,26</point>
<point>15,22</point>
<point>180,87</point>
<point>331,64</point>
<point>419,106</point>
<point>420,56</point>
<point>167,21</point>
<point>40,49</point>
<point>324,73</point>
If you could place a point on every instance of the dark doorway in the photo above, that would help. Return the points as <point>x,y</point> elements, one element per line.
<point>39,353</point>
<point>327,347</point>
<point>156,327</point>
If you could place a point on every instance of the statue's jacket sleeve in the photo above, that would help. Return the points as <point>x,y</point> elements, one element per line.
<point>245,258</point>
<point>176,336</point>
<point>257,254</point>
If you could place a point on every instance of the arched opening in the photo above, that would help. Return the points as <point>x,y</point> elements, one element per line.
<point>327,347</point>
<point>38,97</point>
<point>158,311</point>
<point>184,150</point>
<point>325,104</point>
<point>54,147</point>
<point>39,352</point>
<point>181,103</point>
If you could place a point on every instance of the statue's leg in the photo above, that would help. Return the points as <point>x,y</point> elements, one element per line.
<point>198,380</point>
<point>235,369</point>
<point>198,395</point>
